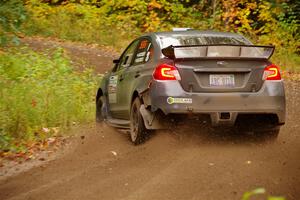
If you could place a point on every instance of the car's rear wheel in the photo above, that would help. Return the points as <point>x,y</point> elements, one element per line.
<point>262,133</point>
<point>99,109</point>
<point>138,130</point>
<point>270,135</point>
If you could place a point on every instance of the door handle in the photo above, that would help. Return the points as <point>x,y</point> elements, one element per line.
<point>137,74</point>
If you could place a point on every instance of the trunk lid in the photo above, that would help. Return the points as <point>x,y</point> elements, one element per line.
<point>218,76</point>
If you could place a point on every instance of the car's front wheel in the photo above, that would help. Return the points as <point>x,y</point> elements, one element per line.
<point>138,130</point>
<point>99,109</point>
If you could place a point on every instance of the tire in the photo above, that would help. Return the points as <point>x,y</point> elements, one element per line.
<point>269,135</point>
<point>99,110</point>
<point>260,131</point>
<point>138,130</point>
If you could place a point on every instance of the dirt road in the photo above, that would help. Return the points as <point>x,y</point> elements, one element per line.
<point>187,163</point>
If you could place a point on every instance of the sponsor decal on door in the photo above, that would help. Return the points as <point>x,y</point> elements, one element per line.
<point>112,89</point>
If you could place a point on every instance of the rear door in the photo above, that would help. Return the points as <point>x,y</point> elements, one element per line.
<point>116,85</point>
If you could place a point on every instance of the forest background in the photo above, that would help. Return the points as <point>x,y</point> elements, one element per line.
<point>117,22</point>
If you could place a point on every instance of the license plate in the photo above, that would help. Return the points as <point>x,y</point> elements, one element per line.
<point>221,80</point>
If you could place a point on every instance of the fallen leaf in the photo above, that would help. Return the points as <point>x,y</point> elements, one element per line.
<point>248,162</point>
<point>114,153</point>
<point>46,130</point>
<point>51,140</point>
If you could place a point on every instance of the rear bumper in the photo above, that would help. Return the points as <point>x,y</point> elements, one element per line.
<point>171,99</point>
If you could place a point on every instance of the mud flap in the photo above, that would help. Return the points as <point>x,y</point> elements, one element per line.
<point>151,120</point>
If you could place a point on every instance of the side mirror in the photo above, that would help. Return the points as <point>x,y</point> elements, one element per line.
<point>116,61</point>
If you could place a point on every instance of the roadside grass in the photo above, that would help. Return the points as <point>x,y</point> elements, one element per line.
<point>288,62</point>
<point>41,94</point>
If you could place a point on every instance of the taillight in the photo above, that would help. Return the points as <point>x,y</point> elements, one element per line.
<point>166,72</point>
<point>271,72</point>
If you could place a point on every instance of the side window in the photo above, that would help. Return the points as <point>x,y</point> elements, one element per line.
<point>144,52</point>
<point>127,56</point>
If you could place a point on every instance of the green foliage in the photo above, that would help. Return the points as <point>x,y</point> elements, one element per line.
<point>154,15</point>
<point>117,22</point>
<point>77,23</point>
<point>40,93</point>
<point>267,23</point>
<point>285,35</point>
<point>107,22</point>
<point>259,191</point>
<point>12,14</point>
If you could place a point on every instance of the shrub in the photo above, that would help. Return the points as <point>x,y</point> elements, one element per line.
<point>39,92</point>
<point>77,22</point>
<point>12,14</point>
<point>116,23</point>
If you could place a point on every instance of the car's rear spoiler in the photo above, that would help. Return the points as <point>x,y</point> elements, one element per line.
<point>218,51</point>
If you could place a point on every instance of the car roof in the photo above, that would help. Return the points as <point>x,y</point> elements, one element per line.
<point>194,33</point>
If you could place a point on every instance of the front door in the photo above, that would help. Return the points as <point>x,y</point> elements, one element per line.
<point>116,80</point>
<point>131,74</point>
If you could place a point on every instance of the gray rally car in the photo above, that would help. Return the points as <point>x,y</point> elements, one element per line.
<point>219,76</point>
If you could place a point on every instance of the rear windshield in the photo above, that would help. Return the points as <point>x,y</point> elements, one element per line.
<point>202,40</point>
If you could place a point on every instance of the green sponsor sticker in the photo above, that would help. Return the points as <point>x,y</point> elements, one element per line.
<point>172,100</point>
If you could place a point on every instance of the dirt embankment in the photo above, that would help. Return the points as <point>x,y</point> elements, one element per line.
<point>187,163</point>
<point>82,55</point>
